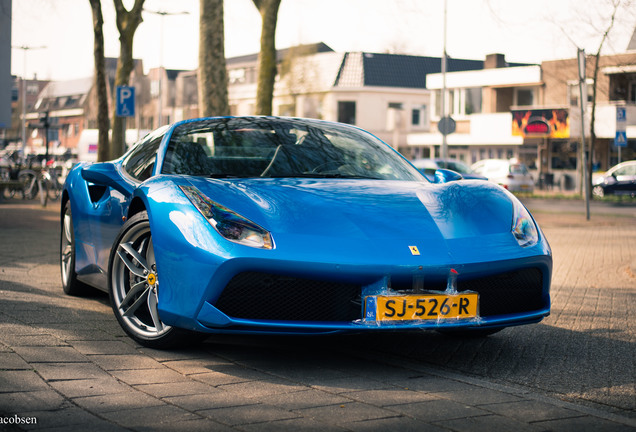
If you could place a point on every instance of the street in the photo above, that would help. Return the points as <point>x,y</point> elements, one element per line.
<point>65,362</point>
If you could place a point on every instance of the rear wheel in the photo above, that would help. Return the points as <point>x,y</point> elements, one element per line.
<point>8,192</point>
<point>29,182</point>
<point>67,256</point>
<point>54,192</point>
<point>134,284</point>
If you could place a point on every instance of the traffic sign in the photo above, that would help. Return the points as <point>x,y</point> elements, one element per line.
<point>621,139</point>
<point>621,116</point>
<point>446,125</point>
<point>125,101</point>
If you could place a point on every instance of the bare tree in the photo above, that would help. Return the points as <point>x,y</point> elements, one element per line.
<point>267,55</point>
<point>597,58</point>
<point>127,23</point>
<point>212,76</point>
<point>103,124</point>
<point>617,8</point>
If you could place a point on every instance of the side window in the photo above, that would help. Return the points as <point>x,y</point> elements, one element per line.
<point>141,160</point>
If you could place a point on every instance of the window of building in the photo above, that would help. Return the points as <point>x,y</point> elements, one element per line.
<point>32,89</point>
<point>415,117</point>
<point>236,76</point>
<point>347,112</point>
<point>154,88</point>
<point>574,92</point>
<point>632,92</point>
<point>394,118</point>
<point>459,101</point>
<point>473,101</point>
<point>524,97</point>
<point>437,96</point>
<point>419,116</point>
<point>564,155</point>
<point>454,101</point>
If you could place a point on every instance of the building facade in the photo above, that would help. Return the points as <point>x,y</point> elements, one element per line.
<point>501,110</point>
<point>532,113</point>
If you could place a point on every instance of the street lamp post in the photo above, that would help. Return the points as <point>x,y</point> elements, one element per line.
<point>444,152</point>
<point>162,14</point>
<point>24,49</point>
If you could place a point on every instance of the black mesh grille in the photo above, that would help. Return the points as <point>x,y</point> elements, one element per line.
<point>512,292</point>
<point>253,295</point>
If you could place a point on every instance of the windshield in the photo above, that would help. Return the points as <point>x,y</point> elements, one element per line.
<point>274,147</point>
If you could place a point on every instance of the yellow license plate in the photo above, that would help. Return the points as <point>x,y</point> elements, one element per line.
<point>421,307</point>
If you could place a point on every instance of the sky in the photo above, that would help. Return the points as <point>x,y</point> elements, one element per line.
<point>60,32</point>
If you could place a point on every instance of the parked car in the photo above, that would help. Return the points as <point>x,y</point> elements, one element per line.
<point>429,166</point>
<point>618,180</point>
<point>269,225</point>
<point>510,174</point>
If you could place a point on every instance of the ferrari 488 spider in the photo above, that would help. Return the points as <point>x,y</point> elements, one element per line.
<point>296,226</point>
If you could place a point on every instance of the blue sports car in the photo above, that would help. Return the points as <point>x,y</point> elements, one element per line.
<point>295,226</point>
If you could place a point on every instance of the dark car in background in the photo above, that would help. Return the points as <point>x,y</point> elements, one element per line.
<point>618,180</point>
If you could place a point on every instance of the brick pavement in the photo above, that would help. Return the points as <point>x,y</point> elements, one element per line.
<point>65,362</point>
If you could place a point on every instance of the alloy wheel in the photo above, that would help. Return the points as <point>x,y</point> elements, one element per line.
<point>134,284</point>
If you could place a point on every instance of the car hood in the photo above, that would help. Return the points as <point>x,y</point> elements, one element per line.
<point>366,213</point>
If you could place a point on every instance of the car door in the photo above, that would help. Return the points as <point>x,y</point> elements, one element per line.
<point>108,212</point>
<point>625,179</point>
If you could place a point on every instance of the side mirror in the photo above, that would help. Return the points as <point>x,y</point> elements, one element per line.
<point>105,174</point>
<point>445,176</point>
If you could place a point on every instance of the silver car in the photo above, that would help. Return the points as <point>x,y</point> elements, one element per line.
<point>510,174</point>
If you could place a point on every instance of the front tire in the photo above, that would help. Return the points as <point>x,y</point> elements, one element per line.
<point>598,191</point>
<point>133,287</point>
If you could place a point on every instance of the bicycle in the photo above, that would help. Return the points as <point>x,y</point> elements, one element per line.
<point>29,181</point>
<point>18,181</point>
<point>50,181</point>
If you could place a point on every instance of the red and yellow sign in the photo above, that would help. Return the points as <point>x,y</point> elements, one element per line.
<point>541,123</point>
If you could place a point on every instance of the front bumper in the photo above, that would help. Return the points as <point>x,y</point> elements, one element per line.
<point>511,293</point>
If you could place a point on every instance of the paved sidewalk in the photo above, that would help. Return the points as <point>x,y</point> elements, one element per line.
<point>66,364</point>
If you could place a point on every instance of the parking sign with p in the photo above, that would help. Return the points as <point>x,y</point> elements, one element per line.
<point>125,101</point>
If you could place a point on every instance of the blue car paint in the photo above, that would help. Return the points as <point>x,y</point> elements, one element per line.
<point>460,233</point>
<point>373,222</point>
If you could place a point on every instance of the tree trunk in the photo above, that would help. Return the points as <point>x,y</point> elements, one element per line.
<point>103,123</point>
<point>592,148</point>
<point>597,60</point>
<point>127,23</point>
<point>212,74</point>
<point>267,55</point>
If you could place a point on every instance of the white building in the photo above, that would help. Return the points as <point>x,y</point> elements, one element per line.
<point>385,94</point>
<point>480,102</point>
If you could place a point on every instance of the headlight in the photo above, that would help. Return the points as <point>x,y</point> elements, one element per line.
<point>523,227</point>
<point>229,224</point>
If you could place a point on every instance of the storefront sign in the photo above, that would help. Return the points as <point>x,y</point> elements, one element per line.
<point>541,123</point>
